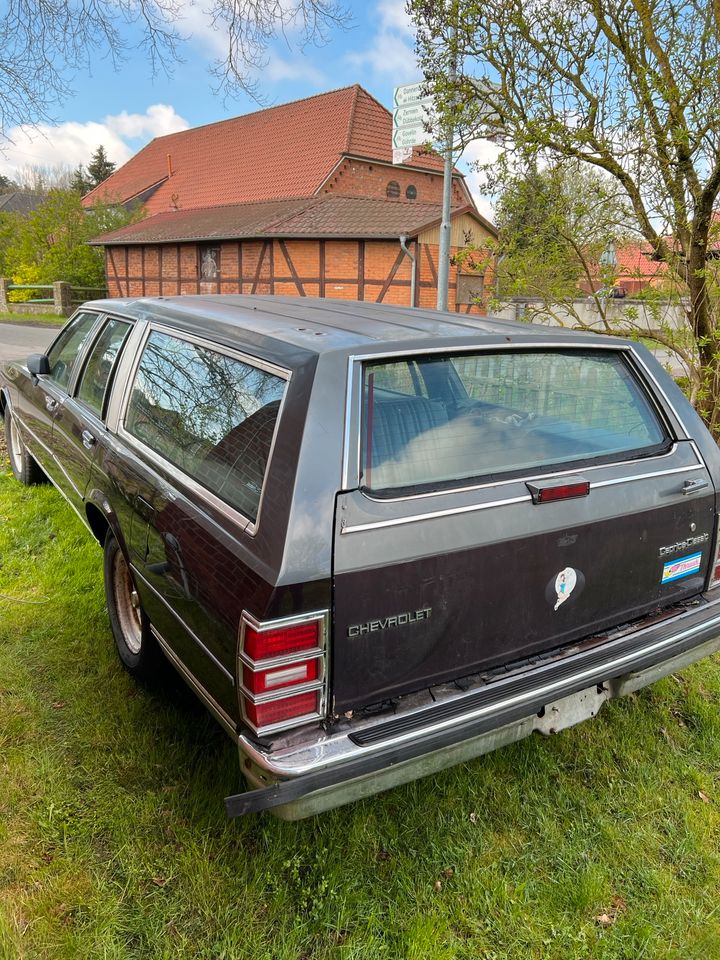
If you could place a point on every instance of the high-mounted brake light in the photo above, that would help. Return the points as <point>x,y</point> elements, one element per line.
<point>547,493</point>
<point>282,670</point>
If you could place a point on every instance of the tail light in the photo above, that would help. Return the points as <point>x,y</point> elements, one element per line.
<point>715,566</point>
<point>283,671</point>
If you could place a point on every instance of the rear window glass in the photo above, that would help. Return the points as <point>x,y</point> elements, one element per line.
<point>487,415</point>
<point>209,414</point>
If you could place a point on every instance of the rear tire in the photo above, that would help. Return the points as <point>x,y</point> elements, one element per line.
<point>25,469</point>
<point>136,646</point>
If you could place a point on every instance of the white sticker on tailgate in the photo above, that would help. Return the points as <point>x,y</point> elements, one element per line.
<point>681,568</point>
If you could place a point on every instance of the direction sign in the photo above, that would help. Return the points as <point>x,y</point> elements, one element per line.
<point>408,93</point>
<point>413,118</point>
<point>421,111</point>
<point>410,136</point>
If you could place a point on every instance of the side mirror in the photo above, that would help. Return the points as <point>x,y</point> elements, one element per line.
<point>38,363</point>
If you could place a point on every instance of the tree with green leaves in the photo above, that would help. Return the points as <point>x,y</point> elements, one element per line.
<point>52,242</point>
<point>626,87</point>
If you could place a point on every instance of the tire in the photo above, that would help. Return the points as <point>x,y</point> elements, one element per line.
<point>24,467</point>
<point>136,646</point>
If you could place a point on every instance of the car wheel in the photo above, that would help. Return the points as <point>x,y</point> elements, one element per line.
<point>24,467</point>
<point>135,643</point>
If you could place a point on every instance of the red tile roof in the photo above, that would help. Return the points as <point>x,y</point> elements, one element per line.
<point>279,153</point>
<point>325,216</point>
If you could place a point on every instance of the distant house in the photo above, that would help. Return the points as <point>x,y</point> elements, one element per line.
<point>21,202</point>
<point>633,268</point>
<point>300,199</point>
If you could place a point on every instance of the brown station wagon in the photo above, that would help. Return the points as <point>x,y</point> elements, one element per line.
<point>375,541</point>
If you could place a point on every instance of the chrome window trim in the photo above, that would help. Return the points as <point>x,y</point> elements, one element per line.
<point>529,478</point>
<point>248,526</point>
<point>321,652</point>
<point>353,431</point>
<point>472,507</point>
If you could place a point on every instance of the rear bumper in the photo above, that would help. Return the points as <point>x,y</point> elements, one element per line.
<point>318,772</point>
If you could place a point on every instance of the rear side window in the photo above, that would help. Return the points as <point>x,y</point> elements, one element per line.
<point>207,413</point>
<point>490,415</point>
<point>101,362</point>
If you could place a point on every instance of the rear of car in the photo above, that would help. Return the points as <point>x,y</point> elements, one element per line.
<point>526,526</point>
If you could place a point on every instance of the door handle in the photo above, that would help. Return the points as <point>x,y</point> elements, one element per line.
<point>692,486</point>
<point>50,404</point>
<point>88,440</point>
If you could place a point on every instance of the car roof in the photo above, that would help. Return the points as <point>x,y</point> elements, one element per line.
<point>290,327</point>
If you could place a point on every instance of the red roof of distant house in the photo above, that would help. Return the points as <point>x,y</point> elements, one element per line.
<point>634,262</point>
<point>283,152</point>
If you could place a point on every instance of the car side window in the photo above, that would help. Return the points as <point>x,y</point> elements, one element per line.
<point>64,353</point>
<point>101,362</point>
<point>208,414</point>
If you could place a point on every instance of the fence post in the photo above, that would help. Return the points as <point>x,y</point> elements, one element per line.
<point>4,284</point>
<point>62,296</point>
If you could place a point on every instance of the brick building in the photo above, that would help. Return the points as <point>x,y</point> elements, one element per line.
<point>300,199</point>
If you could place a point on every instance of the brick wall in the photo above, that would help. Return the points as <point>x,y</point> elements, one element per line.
<point>373,270</point>
<point>357,178</point>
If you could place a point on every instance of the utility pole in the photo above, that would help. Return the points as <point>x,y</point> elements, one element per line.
<point>445,226</point>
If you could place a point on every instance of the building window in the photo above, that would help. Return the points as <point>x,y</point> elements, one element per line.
<point>411,192</point>
<point>209,263</point>
<point>470,288</point>
<point>393,190</point>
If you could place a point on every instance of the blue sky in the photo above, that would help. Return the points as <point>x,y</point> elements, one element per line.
<point>125,109</point>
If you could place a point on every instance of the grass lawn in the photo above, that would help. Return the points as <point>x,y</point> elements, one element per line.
<point>44,319</point>
<point>602,842</point>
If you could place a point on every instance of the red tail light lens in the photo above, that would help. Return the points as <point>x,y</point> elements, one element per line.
<point>282,671</point>
<point>277,711</point>
<point>261,645</point>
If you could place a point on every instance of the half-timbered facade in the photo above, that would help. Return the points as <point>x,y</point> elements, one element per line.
<point>301,200</point>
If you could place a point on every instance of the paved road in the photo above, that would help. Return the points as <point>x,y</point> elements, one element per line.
<point>18,341</point>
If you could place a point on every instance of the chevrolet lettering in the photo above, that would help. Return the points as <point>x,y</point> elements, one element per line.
<point>375,541</point>
<point>400,620</point>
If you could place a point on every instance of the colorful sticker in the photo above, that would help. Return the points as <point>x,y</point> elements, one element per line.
<point>564,585</point>
<point>683,567</point>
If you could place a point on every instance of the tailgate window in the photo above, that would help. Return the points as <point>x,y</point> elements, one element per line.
<point>436,421</point>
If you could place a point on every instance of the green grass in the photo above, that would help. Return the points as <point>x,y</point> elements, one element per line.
<point>114,844</point>
<point>33,319</point>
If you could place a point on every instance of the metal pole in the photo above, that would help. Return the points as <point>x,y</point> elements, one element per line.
<point>445,226</point>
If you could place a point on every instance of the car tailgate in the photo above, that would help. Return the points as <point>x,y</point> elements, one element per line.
<point>441,587</point>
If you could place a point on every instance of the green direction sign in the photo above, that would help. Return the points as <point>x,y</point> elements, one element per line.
<point>408,93</point>
<point>413,113</point>
<point>409,136</point>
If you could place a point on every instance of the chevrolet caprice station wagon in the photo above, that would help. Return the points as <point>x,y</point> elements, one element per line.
<point>376,541</point>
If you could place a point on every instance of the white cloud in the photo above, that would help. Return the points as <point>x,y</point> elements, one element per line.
<point>479,151</point>
<point>72,143</point>
<point>278,70</point>
<point>391,51</point>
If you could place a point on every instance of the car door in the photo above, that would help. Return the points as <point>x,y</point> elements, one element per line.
<point>79,418</point>
<point>40,397</point>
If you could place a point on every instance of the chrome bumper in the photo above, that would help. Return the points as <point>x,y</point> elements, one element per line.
<point>312,772</point>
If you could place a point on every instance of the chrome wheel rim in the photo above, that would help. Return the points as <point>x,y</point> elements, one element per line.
<point>127,604</point>
<point>16,446</point>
